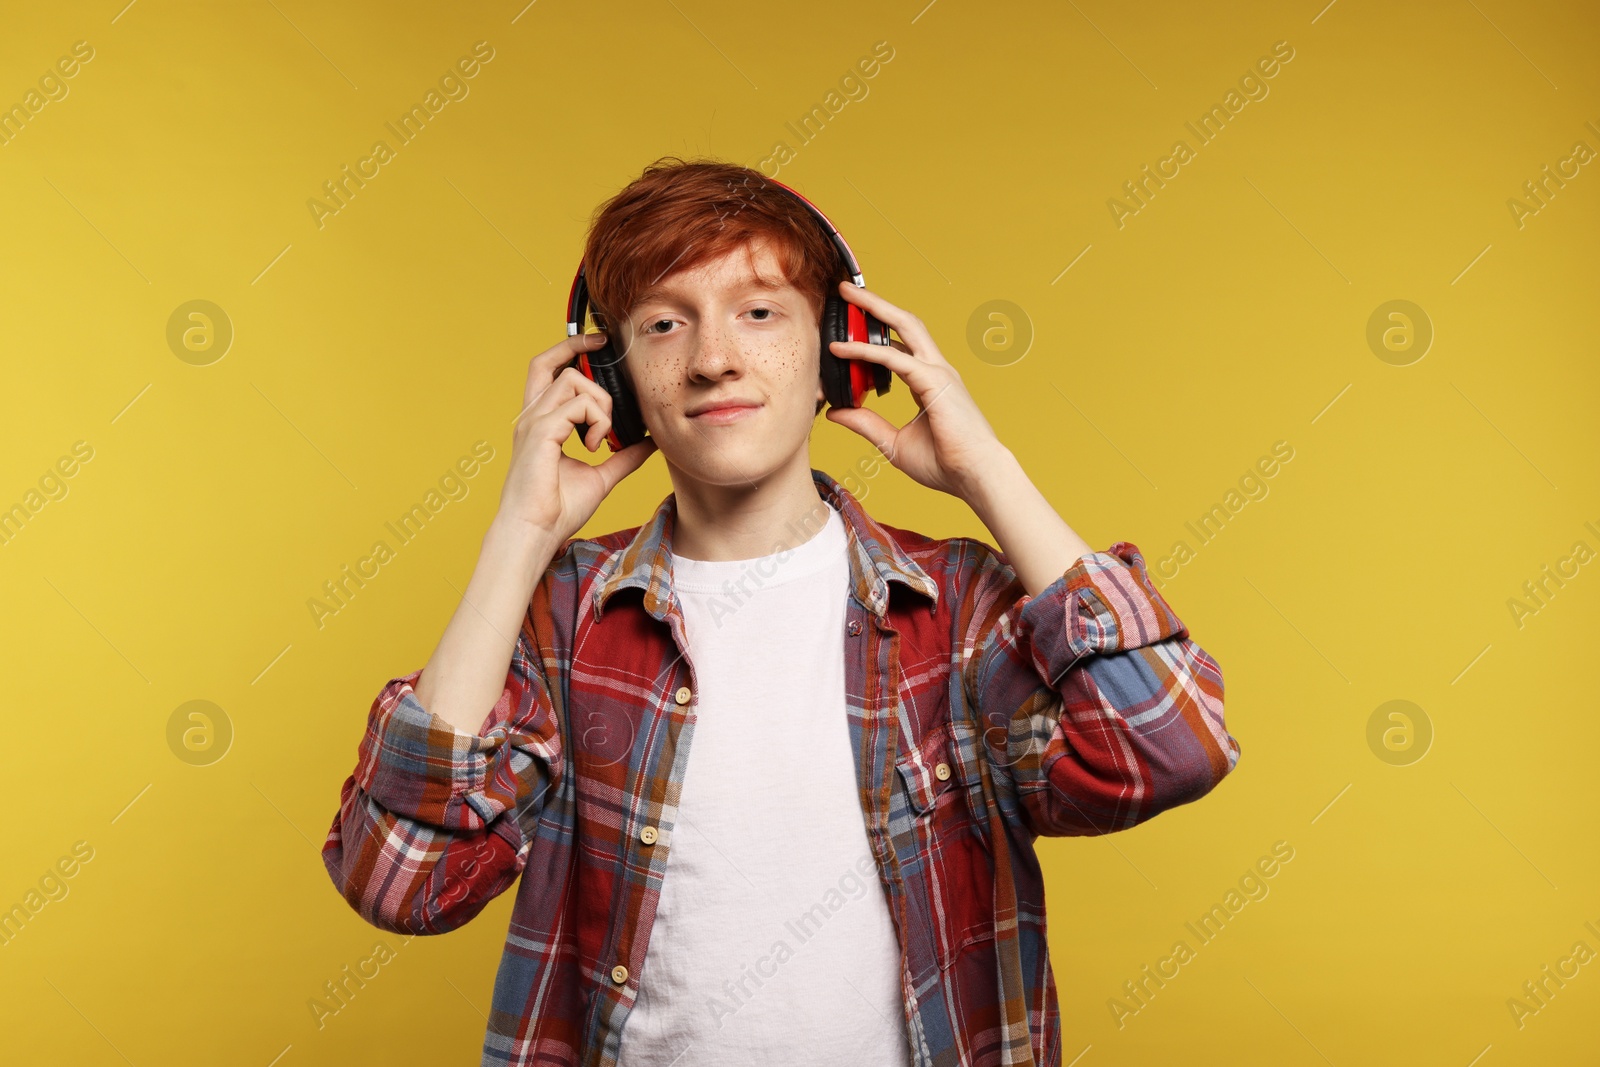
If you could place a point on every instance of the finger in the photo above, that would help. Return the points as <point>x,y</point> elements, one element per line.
<point>559,421</point>
<point>870,425</point>
<point>569,382</point>
<point>897,358</point>
<point>572,381</point>
<point>621,464</point>
<point>907,325</point>
<point>598,418</point>
<point>900,346</point>
<point>543,368</point>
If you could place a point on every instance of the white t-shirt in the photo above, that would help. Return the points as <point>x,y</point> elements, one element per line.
<point>772,941</point>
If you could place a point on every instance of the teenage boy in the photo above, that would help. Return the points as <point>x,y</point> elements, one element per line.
<point>882,723</point>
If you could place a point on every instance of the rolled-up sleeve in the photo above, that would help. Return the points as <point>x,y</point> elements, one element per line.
<point>1098,709</point>
<point>432,824</point>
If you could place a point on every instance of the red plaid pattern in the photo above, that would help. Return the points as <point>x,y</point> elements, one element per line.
<point>980,719</point>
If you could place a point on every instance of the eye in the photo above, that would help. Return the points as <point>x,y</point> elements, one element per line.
<point>766,314</point>
<point>659,322</point>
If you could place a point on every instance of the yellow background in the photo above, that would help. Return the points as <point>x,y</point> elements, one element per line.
<point>1228,314</point>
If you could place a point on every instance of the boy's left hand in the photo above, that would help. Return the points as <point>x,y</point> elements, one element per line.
<point>949,445</point>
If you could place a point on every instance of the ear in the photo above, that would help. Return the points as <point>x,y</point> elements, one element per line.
<point>822,399</point>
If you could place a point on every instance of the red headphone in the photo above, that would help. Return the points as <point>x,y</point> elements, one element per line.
<point>845,382</point>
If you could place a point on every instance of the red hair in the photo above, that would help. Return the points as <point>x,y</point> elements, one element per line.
<point>677,215</point>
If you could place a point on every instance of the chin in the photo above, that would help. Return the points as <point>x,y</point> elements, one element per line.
<point>734,459</point>
<point>730,466</point>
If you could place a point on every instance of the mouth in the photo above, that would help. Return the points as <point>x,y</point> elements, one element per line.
<point>720,414</point>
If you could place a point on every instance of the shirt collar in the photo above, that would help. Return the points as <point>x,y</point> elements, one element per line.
<point>875,557</point>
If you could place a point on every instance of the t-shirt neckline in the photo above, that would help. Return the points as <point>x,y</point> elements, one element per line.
<point>776,568</point>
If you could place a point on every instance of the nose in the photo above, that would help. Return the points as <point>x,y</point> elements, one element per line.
<point>716,352</point>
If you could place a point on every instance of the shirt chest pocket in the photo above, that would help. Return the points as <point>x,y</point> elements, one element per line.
<point>928,771</point>
<point>944,802</point>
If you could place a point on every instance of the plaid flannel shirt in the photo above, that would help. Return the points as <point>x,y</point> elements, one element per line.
<point>980,718</point>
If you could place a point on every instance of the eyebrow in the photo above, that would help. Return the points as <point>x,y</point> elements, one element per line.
<point>749,281</point>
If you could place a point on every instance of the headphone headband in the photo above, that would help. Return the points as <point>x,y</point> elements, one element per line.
<point>578,295</point>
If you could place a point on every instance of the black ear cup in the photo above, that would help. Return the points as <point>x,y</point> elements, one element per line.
<point>835,371</point>
<point>846,380</point>
<point>605,370</point>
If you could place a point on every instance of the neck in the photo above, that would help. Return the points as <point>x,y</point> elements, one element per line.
<point>747,519</point>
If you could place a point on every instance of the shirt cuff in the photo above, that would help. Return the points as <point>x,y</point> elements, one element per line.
<point>418,766</point>
<point>1104,603</point>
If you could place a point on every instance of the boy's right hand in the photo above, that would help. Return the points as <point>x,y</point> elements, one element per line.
<point>546,489</point>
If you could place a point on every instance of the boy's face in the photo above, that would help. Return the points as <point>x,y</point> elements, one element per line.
<point>725,333</point>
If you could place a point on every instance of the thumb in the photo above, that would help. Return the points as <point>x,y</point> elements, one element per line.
<point>869,424</point>
<point>621,464</point>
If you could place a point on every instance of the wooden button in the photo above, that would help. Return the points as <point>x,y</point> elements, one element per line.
<point>648,835</point>
<point>619,974</point>
<point>682,695</point>
<point>942,772</point>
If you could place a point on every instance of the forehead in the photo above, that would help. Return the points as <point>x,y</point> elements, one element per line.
<point>747,265</point>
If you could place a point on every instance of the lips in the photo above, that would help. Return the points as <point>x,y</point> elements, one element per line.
<point>722,408</point>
